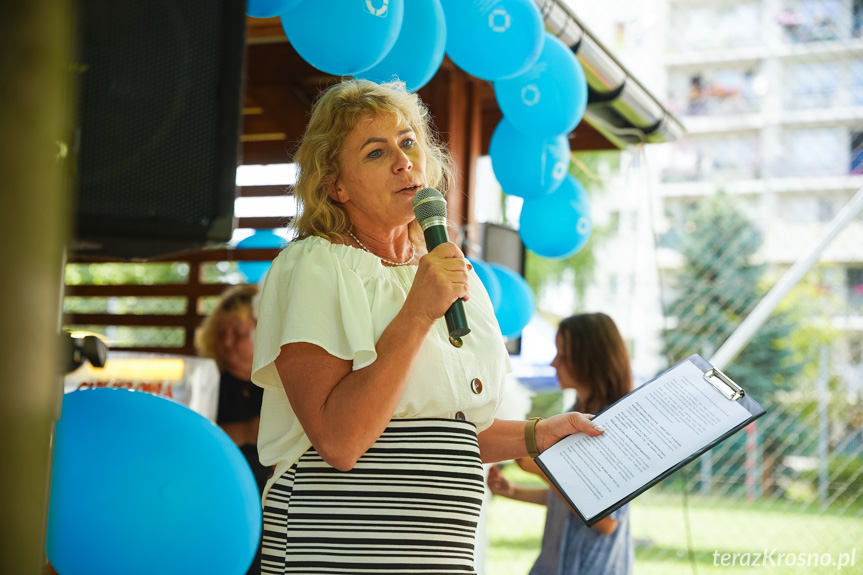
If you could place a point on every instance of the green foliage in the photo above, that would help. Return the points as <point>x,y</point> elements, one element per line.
<point>131,273</point>
<point>580,266</point>
<point>718,287</point>
<point>539,271</point>
<point>122,273</point>
<point>125,305</point>
<point>844,476</point>
<point>547,404</point>
<point>221,272</point>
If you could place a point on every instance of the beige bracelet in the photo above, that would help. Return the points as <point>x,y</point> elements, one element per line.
<point>530,436</point>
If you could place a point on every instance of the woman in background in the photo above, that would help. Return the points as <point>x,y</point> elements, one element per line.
<point>591,359</point>
<point>228,337</point>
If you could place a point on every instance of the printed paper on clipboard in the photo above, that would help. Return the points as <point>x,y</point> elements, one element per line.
<point>651,432</point>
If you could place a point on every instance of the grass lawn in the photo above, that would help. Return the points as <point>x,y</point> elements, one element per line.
<point>658,524</point>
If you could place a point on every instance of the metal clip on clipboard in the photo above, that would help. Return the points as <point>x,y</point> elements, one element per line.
<point>723,384</point>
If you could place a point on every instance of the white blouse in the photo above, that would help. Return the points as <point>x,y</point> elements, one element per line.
<point>341,299</point>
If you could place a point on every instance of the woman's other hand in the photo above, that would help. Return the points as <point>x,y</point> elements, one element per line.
<point>441,278</point>
<point>550,431</point>
<point>498,484</point>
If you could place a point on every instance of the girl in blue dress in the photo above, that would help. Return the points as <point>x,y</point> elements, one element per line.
<point>591,359</point>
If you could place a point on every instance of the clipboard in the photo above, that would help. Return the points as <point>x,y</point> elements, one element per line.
<point>565,479</point>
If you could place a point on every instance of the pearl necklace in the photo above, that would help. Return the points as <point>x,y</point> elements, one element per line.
<point>404,263</point>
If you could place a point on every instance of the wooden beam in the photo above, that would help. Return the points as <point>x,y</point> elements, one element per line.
<point>163,290</point>
<point>285,111</point>
<point>266,152</point>
<point>200,255</point>
<point>134,320</point>
<point>264,223</point>
<point>264,191</point>
<point>185,350</point>
<point>263,30</point>
<point>261,124</point>
<point>586,138</point>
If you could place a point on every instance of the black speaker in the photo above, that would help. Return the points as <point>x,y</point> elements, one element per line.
<point>502,245</point>
<point>157,137</point>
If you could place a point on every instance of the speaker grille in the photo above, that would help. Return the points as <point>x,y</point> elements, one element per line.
<point>159,108</point>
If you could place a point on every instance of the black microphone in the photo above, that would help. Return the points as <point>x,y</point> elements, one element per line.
<point>430,211</point>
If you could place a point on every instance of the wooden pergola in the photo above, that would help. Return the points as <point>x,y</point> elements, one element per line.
<point>280,88</point>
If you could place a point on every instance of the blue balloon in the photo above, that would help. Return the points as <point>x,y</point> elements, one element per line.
<point>344,37</point>
<point>489,281</point>
<point>493,39</point>
<point>551,97</point>
<point>528,166</point>
<point>516,303</point>
<point>261,239</point>
<point>419,49</point>
<point>556,226</point>
<point>144,485</point>
<point>269,8</point>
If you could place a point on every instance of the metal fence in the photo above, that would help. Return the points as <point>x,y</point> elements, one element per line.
<point>771,93</point>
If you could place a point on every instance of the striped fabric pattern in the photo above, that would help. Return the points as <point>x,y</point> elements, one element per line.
<point>409,505</point>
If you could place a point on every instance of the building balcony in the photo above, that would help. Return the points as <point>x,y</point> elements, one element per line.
<point>697,188</point>
<point>718,117</point>
<point>737,55</point>
<point>785,242</point>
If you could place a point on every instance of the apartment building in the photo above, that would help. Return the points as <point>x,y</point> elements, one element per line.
<point>771,95</point>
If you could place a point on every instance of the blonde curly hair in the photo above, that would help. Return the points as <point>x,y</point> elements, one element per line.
<point>333,117</point>
<point>236,300</point>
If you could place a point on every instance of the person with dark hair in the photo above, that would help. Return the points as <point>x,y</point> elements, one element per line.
<point>591,359</point>
<point>377,422</point>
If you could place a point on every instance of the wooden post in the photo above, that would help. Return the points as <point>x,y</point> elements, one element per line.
<point>454,98</point>
<point>34,64</point>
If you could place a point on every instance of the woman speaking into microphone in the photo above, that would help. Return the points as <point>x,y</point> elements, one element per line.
<point>376,423</point>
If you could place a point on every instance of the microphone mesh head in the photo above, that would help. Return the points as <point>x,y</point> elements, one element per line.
<point>429,203</point>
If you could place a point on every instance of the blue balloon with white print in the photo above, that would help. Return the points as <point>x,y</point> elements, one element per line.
<point>343,37</point>
<point>261,239</point>
<point>493,39</point>
<point>143,485</point>
<point>550,98</point>
<point>516,301</point>
<point>558,225</point>
<point>489,281</point>
<point>526,165</point>
<point>269,8</point>
<point>419,49</point>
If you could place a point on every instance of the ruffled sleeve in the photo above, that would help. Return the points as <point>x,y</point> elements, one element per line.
<point>312,295</point>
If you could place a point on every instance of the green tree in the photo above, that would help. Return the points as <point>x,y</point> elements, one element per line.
<point>717,288</point>
<point>539,270</point>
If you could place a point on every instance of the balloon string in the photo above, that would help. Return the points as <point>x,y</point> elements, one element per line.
<point>584,168</point>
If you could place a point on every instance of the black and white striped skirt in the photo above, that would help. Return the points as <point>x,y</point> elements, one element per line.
<point>409,505</point>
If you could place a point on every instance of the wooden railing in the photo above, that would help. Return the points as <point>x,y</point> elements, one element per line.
<point>193,290</point>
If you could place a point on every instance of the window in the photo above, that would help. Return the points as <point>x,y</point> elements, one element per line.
<point>801,210</point>
<point>826,209</point>
<point>714,92</point>
<point>857,31</point>
<point>856,67</point>
<point>814,152</point>
<point>854,284</point>
<point>715,28</point>
<point>813,86</point>
<point>856,153</point>
<point>812,20</point>
<point>683,162</point>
